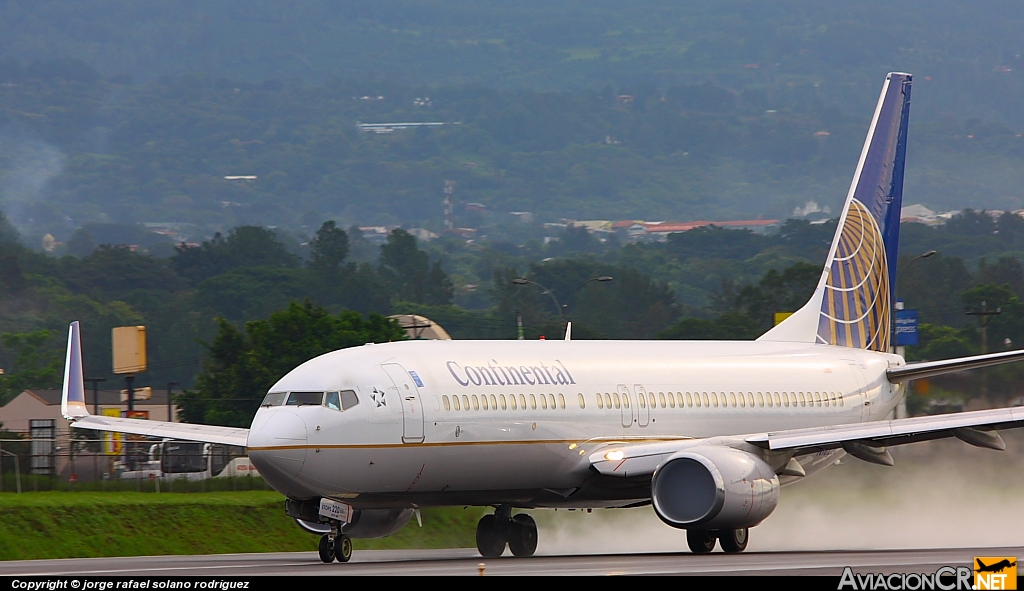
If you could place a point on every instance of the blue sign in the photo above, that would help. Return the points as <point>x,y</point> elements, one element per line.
<point>906,327</point>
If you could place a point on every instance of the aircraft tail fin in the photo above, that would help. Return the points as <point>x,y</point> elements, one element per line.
<point>72,402</point>
<point>852,305</point>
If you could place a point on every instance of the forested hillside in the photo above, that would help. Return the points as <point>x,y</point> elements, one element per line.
<point>117,111</point>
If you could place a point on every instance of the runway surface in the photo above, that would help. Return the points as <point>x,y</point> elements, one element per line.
<point>467,562</point>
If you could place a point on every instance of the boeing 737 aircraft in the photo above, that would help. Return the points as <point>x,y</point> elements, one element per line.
<point>707,432</point>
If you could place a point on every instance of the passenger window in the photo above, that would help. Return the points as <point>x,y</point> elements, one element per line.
<point>551,401</point>
<point>274,399</point>
<point>447,405</point>
<point>615,397</point>
<point>543,402</point>
<point>455,400</point>
<point>842,399</point>
<point>625,401</point>
<point>607,400</point>
<point>732,399</point>
<point>333,401</point>
<point>512,400</point>
<point>305,398</point>
<point>533,402</point>
<point>494,402</point>
<point>760,399</point>
<point>652,402</point>
<point>661,399</point>
<point>504,403</point>
<point>522,402</point>
<point>483,402</point>
<point>465,402</point>
<point>561,401</point>
<point>643,400</point>
<point>689,400</point>
<point>600,401</point>
<point>583,402</point>
<point>476,403</point>
<point>817,399</point>
<point>348,399</point>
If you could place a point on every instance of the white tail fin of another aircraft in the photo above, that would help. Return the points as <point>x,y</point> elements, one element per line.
<point>72,402</point>
<point>852,305</point>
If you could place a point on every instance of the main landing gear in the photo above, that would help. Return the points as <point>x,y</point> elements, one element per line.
<point>335,547</point>
<point>495,531</point>
<point>702,541</point>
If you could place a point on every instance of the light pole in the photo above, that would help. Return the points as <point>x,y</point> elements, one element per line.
<point>901,408</point>
<point>561,308</point>
<point>170,407</point>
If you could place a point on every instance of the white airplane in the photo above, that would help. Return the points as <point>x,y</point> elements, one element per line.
<point>705,431</point>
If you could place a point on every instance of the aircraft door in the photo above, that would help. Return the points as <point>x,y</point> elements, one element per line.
<point>643,409</point>
<point>412,405</point>
<point>625,407</point>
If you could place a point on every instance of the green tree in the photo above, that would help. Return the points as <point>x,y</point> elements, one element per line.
<point>29,362</point>
<point>408,271</point>
<point>727,327</point>
<point>778,292</point>
<point>244,246</point>
<point>241,366</point>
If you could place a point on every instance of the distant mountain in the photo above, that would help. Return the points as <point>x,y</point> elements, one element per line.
<point>121,112</point>
<point>971,52</point>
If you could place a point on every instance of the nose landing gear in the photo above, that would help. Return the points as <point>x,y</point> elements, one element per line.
<point>493,532</point>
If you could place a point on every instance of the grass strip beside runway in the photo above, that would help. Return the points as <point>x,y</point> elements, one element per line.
<point>69,525</point>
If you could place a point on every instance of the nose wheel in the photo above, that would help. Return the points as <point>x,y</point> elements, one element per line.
<point>495,531</point>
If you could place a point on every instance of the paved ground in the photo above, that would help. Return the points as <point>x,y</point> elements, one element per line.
<point>468,562</point>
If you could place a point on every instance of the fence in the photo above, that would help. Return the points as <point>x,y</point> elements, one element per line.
<point>83,463</point>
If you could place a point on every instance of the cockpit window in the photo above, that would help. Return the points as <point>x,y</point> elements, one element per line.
<point>274,399</point>
<point>304,398</point>
<point>348,399</point>
<point>333,401</point>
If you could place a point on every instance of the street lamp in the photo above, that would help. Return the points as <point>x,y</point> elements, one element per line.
<point>561,308</point>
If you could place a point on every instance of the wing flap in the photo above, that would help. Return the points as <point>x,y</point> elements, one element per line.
<point>183,431</point>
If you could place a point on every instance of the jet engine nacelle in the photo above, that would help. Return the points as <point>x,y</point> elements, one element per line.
<point>377,523</point>
<point>714,488</point>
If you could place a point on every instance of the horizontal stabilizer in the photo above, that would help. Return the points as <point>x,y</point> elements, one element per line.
<point>928,369</point>
<point>161,429</point>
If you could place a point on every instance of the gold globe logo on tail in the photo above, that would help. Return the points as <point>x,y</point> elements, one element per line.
<point>855,310</point>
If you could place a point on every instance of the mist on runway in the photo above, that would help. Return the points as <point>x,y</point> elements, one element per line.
<point>940,494</point>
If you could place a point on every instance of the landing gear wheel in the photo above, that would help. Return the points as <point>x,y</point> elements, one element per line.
<point>326,549</point>
<point>701,541</point>
<point>490,539</point>
<point>343,548</point>
<point>522,535</point>
<point>734,540</point>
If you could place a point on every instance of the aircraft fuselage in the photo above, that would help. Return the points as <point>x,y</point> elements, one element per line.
<point>513,422</point>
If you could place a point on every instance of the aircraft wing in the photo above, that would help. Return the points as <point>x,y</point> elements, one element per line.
<point>975,427</point>
<point>183,431</point>
<point>74,409</point>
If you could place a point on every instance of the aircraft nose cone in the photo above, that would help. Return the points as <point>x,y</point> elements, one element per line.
<point>277,443</point>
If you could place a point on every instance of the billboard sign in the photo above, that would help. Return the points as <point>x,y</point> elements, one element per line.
<point>906,328</point>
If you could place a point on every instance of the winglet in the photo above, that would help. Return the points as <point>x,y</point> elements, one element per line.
<point>72,402</point>
<point>568,331</point>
